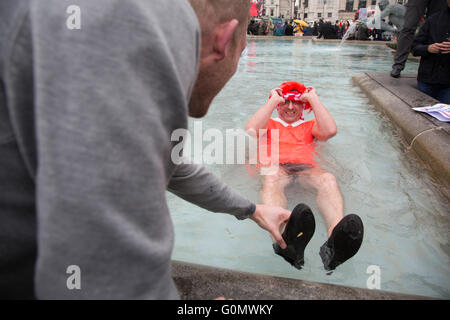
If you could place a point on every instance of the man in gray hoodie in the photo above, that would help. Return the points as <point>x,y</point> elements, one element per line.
<point>89,96</point>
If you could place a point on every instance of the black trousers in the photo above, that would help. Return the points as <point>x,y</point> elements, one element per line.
<point>415,9</point>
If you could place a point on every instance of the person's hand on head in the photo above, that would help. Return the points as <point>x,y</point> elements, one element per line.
<point>308,94</point>
<point>277,96</point>
<point>271,218</point>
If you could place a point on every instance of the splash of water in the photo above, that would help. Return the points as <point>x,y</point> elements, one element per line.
<point>350,32</point>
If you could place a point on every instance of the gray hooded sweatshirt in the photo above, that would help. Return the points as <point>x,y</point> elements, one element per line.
<point>86,115</point>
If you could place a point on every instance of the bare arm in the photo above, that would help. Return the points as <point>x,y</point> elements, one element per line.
<point>260,118</point>
<point>325,127</point>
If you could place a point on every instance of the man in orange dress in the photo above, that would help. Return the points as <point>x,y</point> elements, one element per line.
<point>296,149</point>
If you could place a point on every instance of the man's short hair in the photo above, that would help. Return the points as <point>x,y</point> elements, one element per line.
<point>213,12</point>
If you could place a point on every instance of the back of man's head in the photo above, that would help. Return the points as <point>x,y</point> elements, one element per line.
<point>211,13</point>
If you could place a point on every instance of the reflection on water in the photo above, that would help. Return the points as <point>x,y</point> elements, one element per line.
<point>406,219</point>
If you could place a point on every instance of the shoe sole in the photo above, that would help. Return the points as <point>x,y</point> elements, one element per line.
<point>299,231</point>
<point>344,242</point>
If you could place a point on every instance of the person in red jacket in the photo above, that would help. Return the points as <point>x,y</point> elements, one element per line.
<point>296,149</point>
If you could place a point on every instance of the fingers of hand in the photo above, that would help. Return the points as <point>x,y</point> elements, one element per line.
<point>276,91</point>
<point>277,236</point>
<point>434,48</point>
<point>436,45</point>
<point>283,217</point>
<point>278,94</point>
<point>286,215</point>
<point>445,47</point>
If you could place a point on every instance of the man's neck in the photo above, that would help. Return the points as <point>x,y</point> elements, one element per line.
<point>292,124</point>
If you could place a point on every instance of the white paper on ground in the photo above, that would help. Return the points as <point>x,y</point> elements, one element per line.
<point>440,111</point>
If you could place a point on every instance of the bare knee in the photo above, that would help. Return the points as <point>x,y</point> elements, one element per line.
<point>275,183</point>
<point>327,180</point>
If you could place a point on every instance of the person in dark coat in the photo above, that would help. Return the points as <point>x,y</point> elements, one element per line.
<point>262,28</point>
<point>432,44</point>
<point>415,10</point>
<point>288,29</point>
<point>315,29</point>
<point>337,30</point>
<point>252,28</point>
<point>329,31</point>
<point>320,29</point>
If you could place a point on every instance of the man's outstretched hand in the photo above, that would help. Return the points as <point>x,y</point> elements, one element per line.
<point>271,218</point>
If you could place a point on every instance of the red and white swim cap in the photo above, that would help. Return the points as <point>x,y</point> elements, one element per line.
<point>292,91</point>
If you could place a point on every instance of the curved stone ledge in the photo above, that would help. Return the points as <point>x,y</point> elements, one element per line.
<point>427,136</point>
<point>197,282</point>
<point>367,42</point>
<point>313,38</point>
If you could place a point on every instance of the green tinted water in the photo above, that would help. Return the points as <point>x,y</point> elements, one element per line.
<point>406,219</point>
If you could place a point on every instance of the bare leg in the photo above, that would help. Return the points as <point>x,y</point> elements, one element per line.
<point>329,198</point>
<point>272,192</point>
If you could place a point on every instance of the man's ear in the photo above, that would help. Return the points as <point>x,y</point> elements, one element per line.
<point>223,36</point>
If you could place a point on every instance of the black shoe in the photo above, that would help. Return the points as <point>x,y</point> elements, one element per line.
<point>299,231</point>
<point>395,73</point>
<point>343,243</point>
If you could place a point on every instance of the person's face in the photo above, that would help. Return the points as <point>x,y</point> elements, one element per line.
<point>290,111</point>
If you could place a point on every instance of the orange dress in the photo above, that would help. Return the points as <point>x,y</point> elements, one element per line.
<point>296,143</point>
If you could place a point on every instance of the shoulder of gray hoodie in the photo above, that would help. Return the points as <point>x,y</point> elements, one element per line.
<point>85,123</point>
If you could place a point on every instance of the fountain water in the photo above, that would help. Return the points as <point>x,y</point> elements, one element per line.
<point>351,31</point>
<point>395,13</point>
